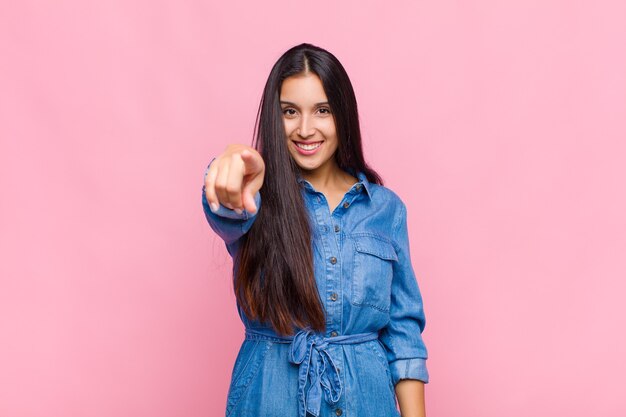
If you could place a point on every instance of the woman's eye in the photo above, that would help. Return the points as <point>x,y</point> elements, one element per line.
<point>285,111</point>
<point>327,110</point>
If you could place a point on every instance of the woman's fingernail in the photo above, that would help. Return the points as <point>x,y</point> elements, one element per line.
<point>238,211</point>
<point>214,207</point>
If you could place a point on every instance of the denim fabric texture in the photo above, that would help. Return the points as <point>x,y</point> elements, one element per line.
<point>374,313</point>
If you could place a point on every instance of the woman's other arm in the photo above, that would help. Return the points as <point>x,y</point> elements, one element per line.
<point>402,337</point>
<point>410,393</point>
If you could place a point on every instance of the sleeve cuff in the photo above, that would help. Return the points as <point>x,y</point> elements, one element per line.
<point>414,368</point>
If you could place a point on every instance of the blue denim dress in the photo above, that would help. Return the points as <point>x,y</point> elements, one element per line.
<point>374,314</point>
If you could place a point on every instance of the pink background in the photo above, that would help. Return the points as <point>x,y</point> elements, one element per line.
<point>500,124</point>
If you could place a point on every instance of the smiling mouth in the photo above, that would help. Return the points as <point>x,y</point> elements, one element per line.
<point>308,146</point>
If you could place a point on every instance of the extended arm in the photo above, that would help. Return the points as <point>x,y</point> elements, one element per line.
<point>226,222</point>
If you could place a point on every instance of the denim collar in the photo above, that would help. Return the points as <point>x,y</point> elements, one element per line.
<point>362,183</point>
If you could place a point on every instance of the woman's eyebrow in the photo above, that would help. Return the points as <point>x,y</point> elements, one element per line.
<point>295,105</point>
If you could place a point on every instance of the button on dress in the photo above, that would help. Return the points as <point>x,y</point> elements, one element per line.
<point>374,313</point>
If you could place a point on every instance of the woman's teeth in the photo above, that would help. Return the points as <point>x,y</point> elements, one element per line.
<point>308,147</point>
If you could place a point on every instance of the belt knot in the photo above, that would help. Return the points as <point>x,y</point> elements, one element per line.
<point>309,351</point>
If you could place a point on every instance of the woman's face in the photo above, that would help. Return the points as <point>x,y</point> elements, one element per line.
<point>308,121</point>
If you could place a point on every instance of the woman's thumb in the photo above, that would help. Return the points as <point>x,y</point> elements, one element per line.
<point>248,200</point>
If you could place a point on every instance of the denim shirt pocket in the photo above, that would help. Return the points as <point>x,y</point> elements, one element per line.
<point>247,364</point>
<point>373,261</point>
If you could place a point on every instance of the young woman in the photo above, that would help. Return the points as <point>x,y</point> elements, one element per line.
<point>321,263</point>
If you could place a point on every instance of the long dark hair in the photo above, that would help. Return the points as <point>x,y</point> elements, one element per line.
<point>275,281</point>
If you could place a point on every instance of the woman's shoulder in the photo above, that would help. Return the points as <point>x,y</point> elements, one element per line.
<point>385,195</point>
<point>382,196</point>
<point>388,210</point>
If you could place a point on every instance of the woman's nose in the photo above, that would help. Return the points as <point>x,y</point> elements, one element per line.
<point>306,127</point>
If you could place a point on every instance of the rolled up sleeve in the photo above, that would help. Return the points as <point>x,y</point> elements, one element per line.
<point>402,336</point>
<point>226,222</point>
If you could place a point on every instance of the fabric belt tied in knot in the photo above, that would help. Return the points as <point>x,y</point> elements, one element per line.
<point>308,350</point>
